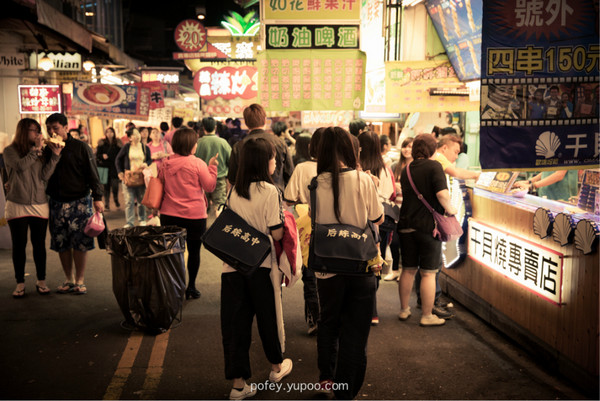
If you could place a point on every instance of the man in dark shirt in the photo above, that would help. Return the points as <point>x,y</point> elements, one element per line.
<point>255,118</point>
<point>70,204</point>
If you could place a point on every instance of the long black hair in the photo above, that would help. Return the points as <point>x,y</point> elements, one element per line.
<point>370,153</point>
<point>21,139</point>
<point>254,164</point>
<point>402,162</point>
<point>335,147</point>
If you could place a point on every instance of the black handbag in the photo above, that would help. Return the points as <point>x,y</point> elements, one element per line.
<point>392,215</point>
<point>235,242</point>
<point>339,248</point>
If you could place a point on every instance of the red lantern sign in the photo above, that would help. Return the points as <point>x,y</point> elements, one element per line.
<point>39,99</point>
<point>190,35</point>
<point>226,82</point>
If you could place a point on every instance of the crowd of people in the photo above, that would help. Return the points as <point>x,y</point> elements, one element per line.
<point>260,177</point>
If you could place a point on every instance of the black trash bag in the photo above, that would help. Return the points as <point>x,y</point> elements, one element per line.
<point>148,269</point>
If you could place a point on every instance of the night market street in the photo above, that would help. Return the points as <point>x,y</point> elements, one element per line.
<point>73,347</point>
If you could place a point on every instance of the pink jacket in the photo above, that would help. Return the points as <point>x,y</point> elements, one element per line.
<point>185,180</point>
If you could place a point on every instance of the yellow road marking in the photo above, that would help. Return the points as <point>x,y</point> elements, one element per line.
<point>115,388</point>
<point>155,366</point>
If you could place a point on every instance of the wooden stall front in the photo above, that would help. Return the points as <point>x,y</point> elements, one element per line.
<point>564,334</point>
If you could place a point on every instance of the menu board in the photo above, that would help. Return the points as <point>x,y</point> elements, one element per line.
<point>500,181</point>
<point>311,79</point>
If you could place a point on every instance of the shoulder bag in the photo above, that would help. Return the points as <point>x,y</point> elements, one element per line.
<point>338,248</point>
<point>154,193</point>
<point>235,242</point>
<point>446,228</point>
<point>134,178</point>
<point>391,211</point>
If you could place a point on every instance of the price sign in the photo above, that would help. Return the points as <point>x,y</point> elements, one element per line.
<point>190,36</point>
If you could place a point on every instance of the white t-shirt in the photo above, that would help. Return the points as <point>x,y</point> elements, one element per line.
<point>263,211</point>
<point>358,202</point>
<point>385,188</point>
<point>300,179</point>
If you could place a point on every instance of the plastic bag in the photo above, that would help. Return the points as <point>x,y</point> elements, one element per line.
<point>95,225</point>
<point>148,269</point>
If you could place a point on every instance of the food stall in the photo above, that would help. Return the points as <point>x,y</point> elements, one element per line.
<point>532,272</point>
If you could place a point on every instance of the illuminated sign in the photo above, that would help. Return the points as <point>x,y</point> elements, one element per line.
<point>311,10</point>
<point>321,118</point>
<point>62,61</point>
<point>537,268</point>
<point>312,37</point>
<point>226,82</point>
<point>190,36</point>
<point>39,99</point>
<point>241,26</point>
<point>165,77</point>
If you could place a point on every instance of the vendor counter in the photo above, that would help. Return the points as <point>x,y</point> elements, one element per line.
<point>542,294</point>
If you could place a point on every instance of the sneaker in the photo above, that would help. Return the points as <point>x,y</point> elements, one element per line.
<point>286,368</point>
<point>143,223</point>
<point>442,312</point>
<point>244,393</point>
<point>375,321</point>
<point>325,386</point>
<point>431,320</point>
<point>391,276</point>
<point>127,225</point>
<point>404,314</point>
<point>444,304</point>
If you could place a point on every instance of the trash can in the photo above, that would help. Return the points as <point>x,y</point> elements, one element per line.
<point>148,270</point>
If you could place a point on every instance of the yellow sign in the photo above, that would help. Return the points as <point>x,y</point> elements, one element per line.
<point>311,9</point>
<point>408,84</point>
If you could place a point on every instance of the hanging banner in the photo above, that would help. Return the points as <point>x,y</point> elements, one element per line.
<point>311,80</point>
<point>311,10</point>
<point>539,87</point>
<point>113,101</point>
<point>39,99</point>
<point>458,24</point>
<point>157,89</point>
<point>408,84</point>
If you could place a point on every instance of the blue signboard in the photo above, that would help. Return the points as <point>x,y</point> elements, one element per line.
<point>539,85</point>
<point>458,24</point>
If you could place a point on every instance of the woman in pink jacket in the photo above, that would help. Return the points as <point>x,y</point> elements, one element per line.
<point>185,179</point>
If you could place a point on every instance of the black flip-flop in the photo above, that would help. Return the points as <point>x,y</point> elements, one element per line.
<point>19,293</point>
<point>42,290</point>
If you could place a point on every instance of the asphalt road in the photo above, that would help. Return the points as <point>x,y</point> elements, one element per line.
<point>63,346</point>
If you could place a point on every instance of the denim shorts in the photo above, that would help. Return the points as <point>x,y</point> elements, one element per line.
<point>67,221</point>
<point>420,251</point>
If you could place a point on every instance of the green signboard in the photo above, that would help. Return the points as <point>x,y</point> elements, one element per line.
<point>312,37</point>
<point>293,80</point>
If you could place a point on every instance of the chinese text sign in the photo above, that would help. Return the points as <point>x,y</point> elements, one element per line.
<point>539,93</point>
<point>528,264</point>
<point>311,80</point>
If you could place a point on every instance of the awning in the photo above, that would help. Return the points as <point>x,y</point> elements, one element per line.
<point>53,19</point>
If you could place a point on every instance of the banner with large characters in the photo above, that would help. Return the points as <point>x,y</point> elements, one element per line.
<point>539,86</point>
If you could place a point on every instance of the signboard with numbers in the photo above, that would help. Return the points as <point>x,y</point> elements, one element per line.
<point>311,80</point>
<point>310,9</point>
<point>539,86</point>
<point>113,101</point>
<point>39,99</point>
<point>537,268</point>
<point>190,36</point>
<point>312,36</point>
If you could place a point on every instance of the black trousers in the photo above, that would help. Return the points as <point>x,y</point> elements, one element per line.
<point>346,310</point>
<point>311,296</point>
<point>195,228</point>
<point>18,234</point>
<point>111,186</point>
<point>243,297</point>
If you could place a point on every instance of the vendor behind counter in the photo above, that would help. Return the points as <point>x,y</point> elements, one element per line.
<point>553,185</point>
